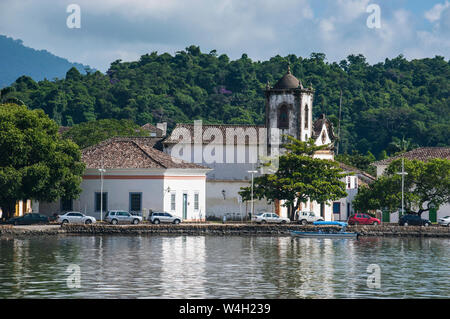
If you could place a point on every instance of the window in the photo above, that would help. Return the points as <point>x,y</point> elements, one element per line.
<point>306,116</point>
<point>283,118</point>
<point>98,202</point>
<point>196,201</point>
<point>66,205</point>
<point>172,201</point>
<point>135,202</point>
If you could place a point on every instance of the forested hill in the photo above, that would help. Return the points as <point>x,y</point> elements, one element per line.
<point>382,103</point>
<point>17,60</point>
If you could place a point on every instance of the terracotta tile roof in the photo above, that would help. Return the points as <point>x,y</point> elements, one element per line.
<point>421,154</point>
<point>152,129</point>
<point>130,152</point>
<point>63,129</point>
<point>355,170</point>
<point>252,131</point>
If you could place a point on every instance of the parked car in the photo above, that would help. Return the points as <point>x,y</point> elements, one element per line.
<point>308,217</point>
<point>159,217</point>
<point>444,221</point>
<point>75,218</point>
<point>122,217</point>
<point>28,219</point>
<point>363,219</point>
<point>271,218</point>
<point>255,216</point>
<point>415,220</point>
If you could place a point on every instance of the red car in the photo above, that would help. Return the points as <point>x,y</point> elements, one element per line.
<point>363,219</point>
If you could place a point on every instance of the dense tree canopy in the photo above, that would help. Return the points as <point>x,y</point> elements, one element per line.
<point>427,186</point>
<point>35,162</point>
<point>90,133</point>
<point>299,178</point>
<point>395,100</point>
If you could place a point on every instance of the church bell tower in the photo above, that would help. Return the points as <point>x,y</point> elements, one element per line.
<point>289,107</point>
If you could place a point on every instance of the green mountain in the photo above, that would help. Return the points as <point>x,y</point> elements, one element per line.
<point>17,60</point>
<point>384,106</point>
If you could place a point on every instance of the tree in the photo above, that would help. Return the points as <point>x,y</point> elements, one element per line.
<point>300,177</point>
<point>93,132</point>
<point>35,162</point>
<point>427,186</point>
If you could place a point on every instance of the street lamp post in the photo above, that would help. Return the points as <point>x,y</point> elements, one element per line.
<point>403,173</point>
<point>252,207</point>
<point>101,170</point>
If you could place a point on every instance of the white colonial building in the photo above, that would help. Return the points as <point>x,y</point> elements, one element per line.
<point>136,177</point>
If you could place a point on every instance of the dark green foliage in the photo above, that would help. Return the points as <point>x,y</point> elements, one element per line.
<point>35,162</point>
<point>359,161</point>
<point>299,178</point>
<point>90,133</point>
<point>426,186</point>
<point>382,104</point>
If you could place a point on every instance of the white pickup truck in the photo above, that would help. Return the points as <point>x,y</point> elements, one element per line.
<point>308,217</point>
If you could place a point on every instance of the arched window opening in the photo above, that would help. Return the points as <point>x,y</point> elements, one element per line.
<point>283,117</point>
<point>306,116</point>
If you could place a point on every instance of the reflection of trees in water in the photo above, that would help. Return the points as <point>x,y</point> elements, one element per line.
<point>299,267</point>
<point>34,264</point>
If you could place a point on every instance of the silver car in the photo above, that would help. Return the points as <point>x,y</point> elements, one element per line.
<point>122,217</point>
<point>158,217</point>
<point>75,218</point>
<point>272,218</point>
<point>444,221</point>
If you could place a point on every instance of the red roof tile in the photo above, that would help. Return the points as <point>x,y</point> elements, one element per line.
<point>130,152</point>
<point>421,154</point>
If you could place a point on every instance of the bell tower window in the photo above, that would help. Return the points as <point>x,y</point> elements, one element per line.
<point>283,117</point>
<point>306,116</point>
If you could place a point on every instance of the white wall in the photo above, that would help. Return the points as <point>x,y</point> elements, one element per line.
<point>152,184</point>
<point>189,187</point>
<point>217,206</point>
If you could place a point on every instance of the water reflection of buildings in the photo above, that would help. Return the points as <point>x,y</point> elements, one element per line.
<point>183,267</point>
<point>310,268</point>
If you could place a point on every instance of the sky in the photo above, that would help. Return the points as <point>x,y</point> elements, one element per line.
<point>126,29</point>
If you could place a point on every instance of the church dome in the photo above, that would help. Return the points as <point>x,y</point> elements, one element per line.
<point>288,81</point>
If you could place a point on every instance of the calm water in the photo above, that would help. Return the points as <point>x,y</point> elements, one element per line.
<point>223,267</point>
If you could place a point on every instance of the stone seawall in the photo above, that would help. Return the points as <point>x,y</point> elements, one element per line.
<point>252,229</point>
<point>218,229</point>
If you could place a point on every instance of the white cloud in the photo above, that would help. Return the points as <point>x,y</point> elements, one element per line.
<point>434,14</point>
<point>126,29</point>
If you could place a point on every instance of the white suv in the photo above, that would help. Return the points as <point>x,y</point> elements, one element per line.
<point>122,217</point>
<point>159,217</point>
<point>308,217</point>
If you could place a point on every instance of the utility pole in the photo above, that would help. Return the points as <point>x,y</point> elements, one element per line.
<point>253,206</point>
<point>101,170</point>
<point>403,173</point>
<point>339,124</point>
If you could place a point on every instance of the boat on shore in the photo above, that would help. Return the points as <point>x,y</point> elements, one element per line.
<point>326,233</point>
